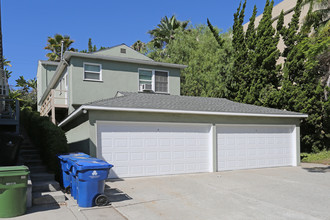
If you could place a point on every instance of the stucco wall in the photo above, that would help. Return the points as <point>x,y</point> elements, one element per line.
<point>78,135</point>
<point>44,75</point>
<point>116,76</point>
<point>116,51</point>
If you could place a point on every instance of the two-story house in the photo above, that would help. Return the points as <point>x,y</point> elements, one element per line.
<point>126,108</point>
<point>63,89</point>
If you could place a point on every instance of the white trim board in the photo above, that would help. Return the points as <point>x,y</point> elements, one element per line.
<point>101,108</point>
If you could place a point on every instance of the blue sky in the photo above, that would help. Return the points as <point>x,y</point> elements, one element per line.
<point>27,24</point>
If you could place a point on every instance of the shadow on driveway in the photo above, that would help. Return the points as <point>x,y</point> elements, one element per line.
<point>115,195</point>
<point>43,208</point>
<point>317,169</point>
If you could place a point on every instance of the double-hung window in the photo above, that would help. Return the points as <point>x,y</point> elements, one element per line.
<point>145,79</point>
<point>92,71</point>
<point>155,80</point>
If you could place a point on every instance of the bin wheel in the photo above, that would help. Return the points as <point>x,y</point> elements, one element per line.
<point>101,200</point>
<point>68,190</point>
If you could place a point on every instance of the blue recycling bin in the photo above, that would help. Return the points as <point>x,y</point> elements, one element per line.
<point>90,176</point>
<point>65,168</point>
<point>70,163</point>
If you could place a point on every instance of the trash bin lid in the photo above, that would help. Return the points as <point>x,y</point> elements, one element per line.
<point>75,159</point>
<point>65,157</point>
<point>14,170</point>
<point>92,163</point>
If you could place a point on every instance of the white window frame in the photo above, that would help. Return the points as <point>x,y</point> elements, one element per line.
<point>153,79</point>
<point>100,73</point>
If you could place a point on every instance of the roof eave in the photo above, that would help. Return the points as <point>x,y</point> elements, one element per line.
<point>69,54</point>
<point>103,108</point>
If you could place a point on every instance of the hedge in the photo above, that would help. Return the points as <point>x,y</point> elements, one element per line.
<point>47,137</point>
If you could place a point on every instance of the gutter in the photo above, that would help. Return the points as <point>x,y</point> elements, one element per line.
<point>100,108</point>
<point>69,54</point>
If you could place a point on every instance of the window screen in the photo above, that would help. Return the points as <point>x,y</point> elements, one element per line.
<point>161,81</point>
<point>145,77</point>
<point>92,72</point>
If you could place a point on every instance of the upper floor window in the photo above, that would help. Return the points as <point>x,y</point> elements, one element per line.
<point>92,72</point>
<point>153,80</point>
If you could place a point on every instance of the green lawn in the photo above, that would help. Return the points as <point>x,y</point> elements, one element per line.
<point>322,157</point>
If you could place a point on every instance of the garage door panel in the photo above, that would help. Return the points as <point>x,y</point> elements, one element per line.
<point>142,149</point>
<point>243,147</point>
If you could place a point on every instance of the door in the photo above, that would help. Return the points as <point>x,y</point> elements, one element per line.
<point>255,146</point>
<point>149,149</point>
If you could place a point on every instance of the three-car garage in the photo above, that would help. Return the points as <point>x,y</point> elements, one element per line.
<point>148,134</point>
<point>151,148</point>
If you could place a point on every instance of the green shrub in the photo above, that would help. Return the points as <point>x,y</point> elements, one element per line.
<point>47,137</point>
<point>321,157</point>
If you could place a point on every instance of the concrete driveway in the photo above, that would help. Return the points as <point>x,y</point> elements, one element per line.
<point>272,193</point>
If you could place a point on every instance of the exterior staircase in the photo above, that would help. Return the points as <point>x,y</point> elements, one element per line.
<point>45,190</point>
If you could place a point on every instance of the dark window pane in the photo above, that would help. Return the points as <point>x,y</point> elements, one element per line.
<point>94,68</point>
<point>94,76</point>
<point>161,79</point>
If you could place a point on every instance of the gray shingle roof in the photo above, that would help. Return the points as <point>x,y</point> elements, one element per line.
<point>185,103</point>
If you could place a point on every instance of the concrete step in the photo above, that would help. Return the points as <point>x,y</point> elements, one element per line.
<point>26,142</point>
<point>27,157</point>
<point>27,145</point>
<point>33,162</point>
<point>22,147</point>
<point>43,198</point>
<point>45,186</point>
<point>31,151</point>
<point>37,168</point>
<point>42,176</point>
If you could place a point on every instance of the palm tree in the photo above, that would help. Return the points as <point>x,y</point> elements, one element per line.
<point>54,45</point>
<point>165,31</point>
<point>5,64</point>
<point>139,46</point>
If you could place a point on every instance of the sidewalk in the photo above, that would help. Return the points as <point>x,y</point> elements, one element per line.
<point>70,210</point>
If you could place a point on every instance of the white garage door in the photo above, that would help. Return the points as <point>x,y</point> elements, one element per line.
<point>257,146</point>
<point>147,149</point>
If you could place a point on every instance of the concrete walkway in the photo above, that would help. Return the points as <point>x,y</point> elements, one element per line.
<point>272,193</point>
<point>70,211</point>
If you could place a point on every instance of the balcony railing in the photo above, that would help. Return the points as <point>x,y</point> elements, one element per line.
<point>55,99</point>
<point>9,112</point>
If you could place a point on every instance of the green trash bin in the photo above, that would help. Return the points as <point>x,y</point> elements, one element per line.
<point>13,186</point>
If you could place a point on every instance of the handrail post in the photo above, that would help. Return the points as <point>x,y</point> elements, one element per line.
<point>53,107</point>
<point>17,115</point>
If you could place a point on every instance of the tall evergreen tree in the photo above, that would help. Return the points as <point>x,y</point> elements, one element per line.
<point>290,35</point>
<point>238,85</point>
<point>264,69</point>
<point>250,35</point>
<point>215,33</point>
<point>90,45</point>
<point>302,87</point>
<point>318,14</point>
